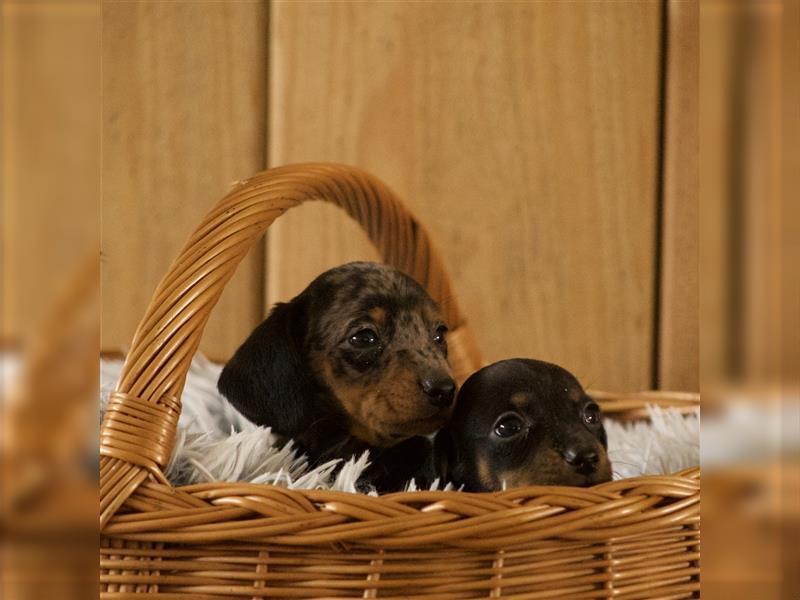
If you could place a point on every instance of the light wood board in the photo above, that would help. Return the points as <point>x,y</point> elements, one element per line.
<point>184,110</point>
<point>679,367</point>
<point>50,156</point>
<point>525,137</point>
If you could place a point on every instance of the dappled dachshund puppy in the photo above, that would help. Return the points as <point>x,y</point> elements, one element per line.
<point>523,422</point>
<point>357,361</point>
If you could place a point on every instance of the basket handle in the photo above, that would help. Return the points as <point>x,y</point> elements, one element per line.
<point>138,429</point>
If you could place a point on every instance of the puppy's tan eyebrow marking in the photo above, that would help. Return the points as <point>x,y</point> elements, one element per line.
<point>520,399</point>
<point>378,315</point>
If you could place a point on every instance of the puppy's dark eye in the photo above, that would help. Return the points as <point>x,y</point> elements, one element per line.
<point>364,338</point>
<point>439,336</point>
<point>508,425</point>
<point>591,414</point>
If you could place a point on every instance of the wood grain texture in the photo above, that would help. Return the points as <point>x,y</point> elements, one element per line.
<point>790,188</point>
<point>50,135</point>
<point>757,170</point>
<point>741,216</point>
<point>184,113</point>
<point>679,324</point>
<point>523,134</point>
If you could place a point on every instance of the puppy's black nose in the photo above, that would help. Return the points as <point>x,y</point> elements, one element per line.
<point>584,460</point>
<point>440,391</point>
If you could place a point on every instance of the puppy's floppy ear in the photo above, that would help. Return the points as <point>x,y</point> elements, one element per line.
<point>268,379</point>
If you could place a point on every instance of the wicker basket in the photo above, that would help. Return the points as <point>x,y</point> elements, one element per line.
<point>636,538</point>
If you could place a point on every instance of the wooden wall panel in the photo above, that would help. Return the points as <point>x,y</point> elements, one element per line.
<point>790,190</point>
<point>525,137</point>
<point>678,351</point>
<point>50,154</point>
<point>741,216</point>
<point>184,113</point>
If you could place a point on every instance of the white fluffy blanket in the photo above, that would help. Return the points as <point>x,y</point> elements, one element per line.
<point>216,443</point>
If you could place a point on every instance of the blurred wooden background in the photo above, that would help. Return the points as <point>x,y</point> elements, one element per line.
<point>550,147</point>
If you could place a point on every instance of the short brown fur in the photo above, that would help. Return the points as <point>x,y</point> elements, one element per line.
<point>523,422</point>
<point>358,360</point>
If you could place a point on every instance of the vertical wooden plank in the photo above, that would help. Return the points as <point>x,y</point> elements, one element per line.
<point>184,113</point>
<point>718,66</point>
<point>741,215</point>
<point>525,137</point>
<point>50,154</point>
<point>762,216</point>
<point>678,351</point>
<point>790,208</point>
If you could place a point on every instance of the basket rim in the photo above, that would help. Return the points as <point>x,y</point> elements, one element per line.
<point>237,512</point>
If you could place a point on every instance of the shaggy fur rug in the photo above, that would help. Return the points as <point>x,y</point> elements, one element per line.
<point>216,443</point>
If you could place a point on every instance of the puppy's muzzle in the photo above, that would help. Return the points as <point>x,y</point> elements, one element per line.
<point>440,391</point>
<point>584,460</point>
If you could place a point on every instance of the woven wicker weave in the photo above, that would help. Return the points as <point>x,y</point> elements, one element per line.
<point>636,538</point>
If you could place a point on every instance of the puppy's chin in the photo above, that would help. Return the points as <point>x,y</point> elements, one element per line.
<point>545,471</point>
<point>425,426</point>
<point>388,434</point>
<point>569,477</point>
<point>566,479</point>
<point>574,479</point>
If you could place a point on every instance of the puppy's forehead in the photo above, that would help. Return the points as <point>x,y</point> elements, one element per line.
<point>372,292</point>
<point>367,286</point>
<point>364,278</point>
<point>547,377</point>
<point>553,399</point>
<point>522,384</point>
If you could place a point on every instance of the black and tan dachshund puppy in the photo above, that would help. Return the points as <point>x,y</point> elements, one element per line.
<point>523,422</point>
<point>357,361</point>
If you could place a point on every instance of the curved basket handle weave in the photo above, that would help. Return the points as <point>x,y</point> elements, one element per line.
<point>138,430</point>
